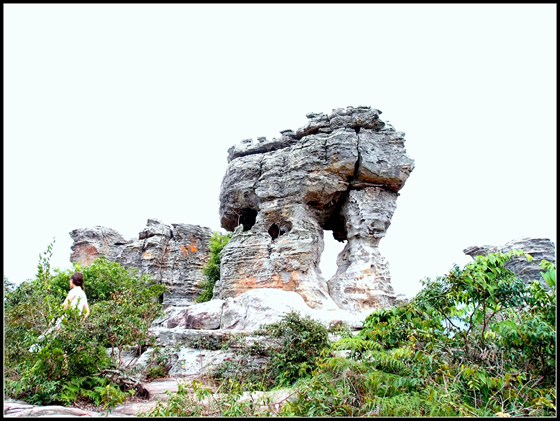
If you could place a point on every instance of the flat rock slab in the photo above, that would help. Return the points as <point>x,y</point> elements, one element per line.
<point>133,408</point>
<point>12,409</point>
<point>18,409</point>
<point>157,388</point>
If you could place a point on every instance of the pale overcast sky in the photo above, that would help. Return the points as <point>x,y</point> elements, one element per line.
<point>114,114</point>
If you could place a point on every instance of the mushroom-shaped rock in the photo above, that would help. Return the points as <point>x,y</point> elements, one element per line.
<point>340,172</point>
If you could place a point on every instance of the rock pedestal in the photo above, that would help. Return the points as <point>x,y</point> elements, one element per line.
<point>341,173</point>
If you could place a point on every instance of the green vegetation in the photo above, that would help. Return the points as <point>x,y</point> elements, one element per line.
<point>73,362</point>
<point>296,342</point>
<point>211,269</point>
<point>476,342</point>
<point>290,347</point>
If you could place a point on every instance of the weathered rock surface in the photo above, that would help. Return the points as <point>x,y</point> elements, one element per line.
<point>538,248</point>
<point>204,316</point>
<point>24,410</point>
<point>192,362</point>
<point>172,254</point>
<point>203,335</point>
<point>244,313</point>
<point>91,243</point>
<point>341,172</point>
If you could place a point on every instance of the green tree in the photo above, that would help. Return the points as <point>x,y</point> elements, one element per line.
<point>469,299</point>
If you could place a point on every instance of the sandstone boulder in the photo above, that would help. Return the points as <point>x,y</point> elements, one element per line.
<point>172,254</point>
<point>205,316</point>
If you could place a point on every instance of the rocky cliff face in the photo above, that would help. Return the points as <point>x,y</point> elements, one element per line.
<point>538,248</point>
<point>173,254</point>
<point>342,173</point>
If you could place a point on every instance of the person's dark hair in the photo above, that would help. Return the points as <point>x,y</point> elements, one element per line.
<point>78,279</point>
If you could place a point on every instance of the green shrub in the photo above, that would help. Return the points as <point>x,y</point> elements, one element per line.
<point>211,269</point>
<point>281,353</point>
<point>298,342</point>
<point>160,364</point>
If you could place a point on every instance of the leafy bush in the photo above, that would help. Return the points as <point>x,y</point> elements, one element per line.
<point>287,352</point>
<point>211,269</point>
<point>298,342</point>
<point>122,308</point>
<point>160,364</point>
<point>530,334</point>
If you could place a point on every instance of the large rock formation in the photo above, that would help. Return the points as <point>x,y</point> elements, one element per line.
<point>342,173</point>
<point>538,248</point>
<point>172,254</point>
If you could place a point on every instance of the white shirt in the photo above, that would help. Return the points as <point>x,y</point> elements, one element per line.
<point>77,298</point>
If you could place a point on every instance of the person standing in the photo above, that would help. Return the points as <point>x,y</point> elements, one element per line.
<point>76,298</point>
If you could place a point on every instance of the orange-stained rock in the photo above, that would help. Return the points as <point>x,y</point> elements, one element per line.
<point>172,254</point>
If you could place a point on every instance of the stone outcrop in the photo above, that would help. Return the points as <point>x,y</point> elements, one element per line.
<point>245,313</point>
<point>91,243</point>
<point>538,248</point>
<point>342,173</point>
<point>172,254</point>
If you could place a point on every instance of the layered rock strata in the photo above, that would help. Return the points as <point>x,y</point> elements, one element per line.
<point>341,172</point>
<point>173,255</point>
<point>538,248</point>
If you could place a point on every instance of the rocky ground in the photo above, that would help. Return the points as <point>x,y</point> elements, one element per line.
<point>156,390</point>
